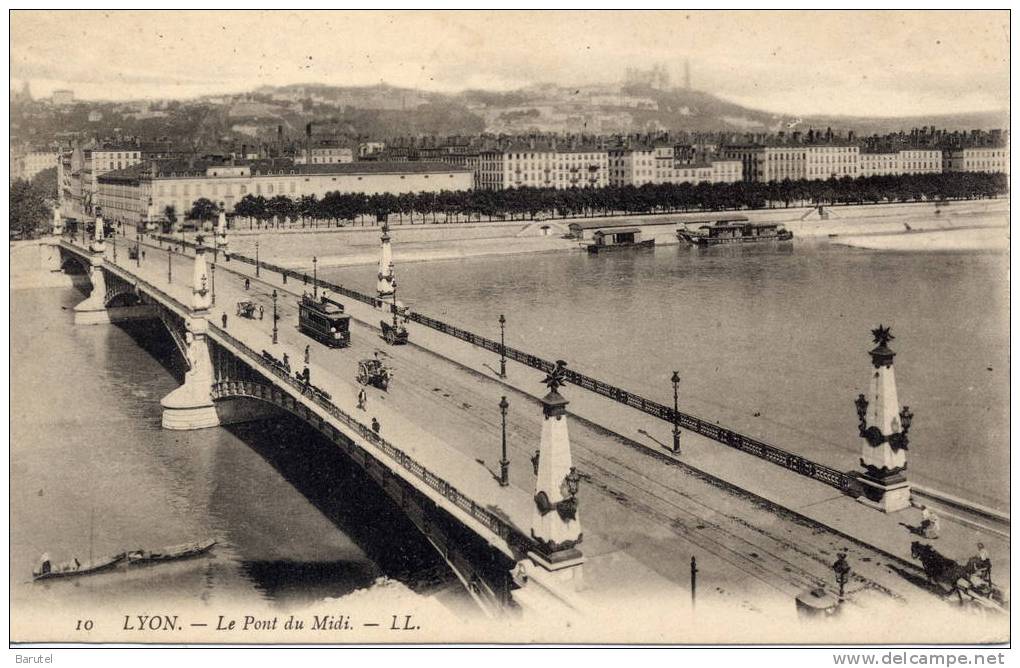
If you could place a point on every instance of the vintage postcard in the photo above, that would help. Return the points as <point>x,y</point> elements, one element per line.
<point>426,327</point>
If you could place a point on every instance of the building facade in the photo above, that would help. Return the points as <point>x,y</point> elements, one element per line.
<point>543,167</point>
<point>766,164</point>
<point>978,159</point>
<point>325,155</point>
<point>636,166</point>
<point>125,194</point>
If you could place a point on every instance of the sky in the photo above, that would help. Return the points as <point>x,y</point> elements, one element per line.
<point>797,62</point>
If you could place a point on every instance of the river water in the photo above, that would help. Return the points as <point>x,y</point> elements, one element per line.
<point>781,331</point>
<point>92,469</point>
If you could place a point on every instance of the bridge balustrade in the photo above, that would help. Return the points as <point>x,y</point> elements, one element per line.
<point>513,536</point>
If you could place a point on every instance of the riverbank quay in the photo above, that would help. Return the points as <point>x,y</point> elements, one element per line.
<point>358,245</point>
<point>815,509</point>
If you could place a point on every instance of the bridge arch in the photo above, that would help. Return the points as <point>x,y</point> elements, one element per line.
<point>121,294</point>
<point>74,265</point>
<point>489,588</point>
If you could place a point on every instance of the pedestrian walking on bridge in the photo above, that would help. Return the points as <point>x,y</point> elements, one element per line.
<point>262,311</point>
<point>362,398</point>
<point>375,425</point>
<point>247,283</point>
<point>224,321</point>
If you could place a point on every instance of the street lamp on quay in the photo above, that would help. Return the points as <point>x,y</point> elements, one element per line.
<point>212,272</point>
<point>315,277</point>
<point>114,239</point>
<point>275,316</point>
<point>502,346</point>
<point>138,249</point>
<point>256,257</point>
<point>504,463</point>
<point>676,417</point>
<point>169,264</point>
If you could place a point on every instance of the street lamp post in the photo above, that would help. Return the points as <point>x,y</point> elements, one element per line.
<point>169,265</point>
<point>502,346</point>
<point>256,257</point>
<point>275,316</point>
<point>138,249</point>
<point>694,581</point>
<point>504,464</point>
<point>676,407</point>
<point>212,272</point>
<point>115,248</point>
<point>315,276</point>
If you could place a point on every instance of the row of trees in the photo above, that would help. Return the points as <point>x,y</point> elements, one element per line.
<point>32,204</point>
<point>531,203</point>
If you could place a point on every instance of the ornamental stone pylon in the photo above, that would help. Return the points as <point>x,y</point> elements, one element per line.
<point>98,244</point>
<point>555,525</point>
<point>387,283</point>
<point>884,426</point>
<point>221,230</point>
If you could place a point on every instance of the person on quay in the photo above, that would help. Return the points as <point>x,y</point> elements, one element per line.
<point>286,362</point>
<point>262,311</point>
<point>247,283</point>
<point>375,425</point>
<point>308,354</point>
<point>362,398</point>
<point>224,320</point>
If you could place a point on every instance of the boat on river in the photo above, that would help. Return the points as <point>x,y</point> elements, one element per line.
<point>733,230</point>
<point>614,239</point>
<point>74,568</point>
<point>171,553</point>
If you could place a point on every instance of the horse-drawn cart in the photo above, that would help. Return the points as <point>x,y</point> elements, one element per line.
<point>246,309</point>
<point>373,372</point>
<point>395,334</point>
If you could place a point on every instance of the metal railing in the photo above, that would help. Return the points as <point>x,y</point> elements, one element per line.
<point>796,463</point>
<point>513,536</point>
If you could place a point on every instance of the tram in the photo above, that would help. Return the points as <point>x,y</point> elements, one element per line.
<point>324,320</point>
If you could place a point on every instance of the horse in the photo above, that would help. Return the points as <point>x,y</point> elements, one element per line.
<point>940,570</point>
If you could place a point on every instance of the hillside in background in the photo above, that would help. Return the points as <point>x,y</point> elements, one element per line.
<point>387,111</point>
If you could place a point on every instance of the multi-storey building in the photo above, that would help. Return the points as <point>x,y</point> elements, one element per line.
<point>325,154</point>
<point>879,164</point>
<point>921,161</point>
<point>668,164</point>
<point>26,164</point>
<point>125,195</point>
<point>543,167</point>
<point>908,161</point>
<point>767,164</point>
<point>977,159</point>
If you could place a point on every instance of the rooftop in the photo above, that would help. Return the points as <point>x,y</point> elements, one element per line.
<point>196,168</point>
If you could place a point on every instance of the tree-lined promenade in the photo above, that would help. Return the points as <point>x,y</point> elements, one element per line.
<point>527,203</point>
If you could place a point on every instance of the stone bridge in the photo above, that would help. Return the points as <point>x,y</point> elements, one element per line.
<point>508,549</point>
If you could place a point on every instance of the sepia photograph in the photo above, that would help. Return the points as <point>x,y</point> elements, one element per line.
<point>528,328</point>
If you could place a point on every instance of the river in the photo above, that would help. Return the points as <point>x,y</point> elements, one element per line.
<point>770,340</point>
<point>93,471</point>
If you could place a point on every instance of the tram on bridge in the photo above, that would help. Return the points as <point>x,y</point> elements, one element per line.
<point>324,320</point>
